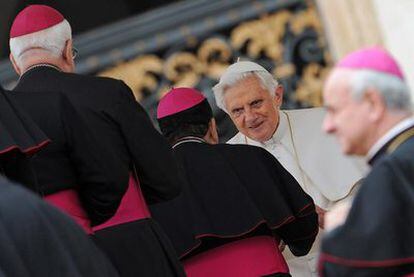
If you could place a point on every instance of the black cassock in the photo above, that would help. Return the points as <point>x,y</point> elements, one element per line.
<point>38,240</point>
<point>233,192</point>
<point>377,238</point>
<point>19,135</point>
<point>137,248</point>
<point>72,160</point>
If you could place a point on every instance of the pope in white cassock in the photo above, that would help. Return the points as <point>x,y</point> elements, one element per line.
<point>250,95</point>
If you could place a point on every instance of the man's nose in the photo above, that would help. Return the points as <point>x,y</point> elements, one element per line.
<point>250,115</point>
<point>327,125</point>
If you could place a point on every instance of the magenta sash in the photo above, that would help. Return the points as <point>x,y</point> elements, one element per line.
<point>255,256</point>
<point>133,207</point>
<point>68,202</point>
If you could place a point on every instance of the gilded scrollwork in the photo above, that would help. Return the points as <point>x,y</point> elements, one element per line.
<point>306,19</point>
<point>183,69</point>
<point>262,35</point>
<point>284,71</point>
<point>309,88</point>
<point>215,54</point>
<point>288,42</point>
<point>138,74</point>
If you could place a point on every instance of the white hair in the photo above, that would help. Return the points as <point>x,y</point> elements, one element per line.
<point>394,91</point>
<point>228,80</point>
<point>52,40</point>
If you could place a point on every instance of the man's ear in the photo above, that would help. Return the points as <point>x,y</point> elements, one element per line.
<point>67,57</point>
<point>67,51</point>
<point>279,95</point>
<point>376,104</point>
<point>14,63</point>
<point>212,135</point>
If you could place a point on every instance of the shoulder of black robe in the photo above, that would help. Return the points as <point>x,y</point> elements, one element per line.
<point>234,191</point>
<point>151,154</point>
<point>75,154</point>
<point>18,131</point>
<point>38,240</point>
<point>120,121</point>
<point>20,137</point>
<point>377,238</point>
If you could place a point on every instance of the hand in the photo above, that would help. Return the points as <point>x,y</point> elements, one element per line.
<point>337,215</point>
<point>321,216</point>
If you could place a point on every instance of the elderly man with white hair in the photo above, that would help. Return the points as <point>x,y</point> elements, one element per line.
<point>370,112</point>
<point>42,54</point>
<point>250,95</point>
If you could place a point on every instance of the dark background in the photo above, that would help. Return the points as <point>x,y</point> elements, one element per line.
<point>83,15</point>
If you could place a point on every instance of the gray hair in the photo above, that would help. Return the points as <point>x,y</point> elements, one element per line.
<point>266,80</point>
<point>393,90</point>
<point>52,40</point>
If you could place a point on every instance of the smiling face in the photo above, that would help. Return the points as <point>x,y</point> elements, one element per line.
<point>253,110</point>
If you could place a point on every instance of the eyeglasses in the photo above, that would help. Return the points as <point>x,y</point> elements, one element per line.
<point>74,52</point>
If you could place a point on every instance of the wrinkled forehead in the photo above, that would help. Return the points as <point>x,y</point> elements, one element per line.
<point>244,93</point>
<point>236,79</point>
<point>247,84</point>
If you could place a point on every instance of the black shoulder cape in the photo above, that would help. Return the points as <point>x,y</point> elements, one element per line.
<point>18,131</point>
<point>234,191</point>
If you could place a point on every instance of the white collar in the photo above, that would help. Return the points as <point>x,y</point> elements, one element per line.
<point>393,132</point>
<point>188,139</point>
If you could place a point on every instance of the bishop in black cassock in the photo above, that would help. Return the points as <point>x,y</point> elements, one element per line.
<point>141,157</point>
<point>377,237</point>
<point>238,201</point>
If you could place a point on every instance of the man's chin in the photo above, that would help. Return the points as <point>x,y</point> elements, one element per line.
<point>347,150</point>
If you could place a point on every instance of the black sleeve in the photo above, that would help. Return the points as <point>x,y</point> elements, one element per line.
<point>16,167</point>
<point>300,233</point>
<point>151,154</point>
<point>101,184</point>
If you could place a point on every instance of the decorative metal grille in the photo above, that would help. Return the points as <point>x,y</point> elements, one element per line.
<point>190,43</point>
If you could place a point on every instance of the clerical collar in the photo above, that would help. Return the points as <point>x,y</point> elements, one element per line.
<point>279,133</point>
<point>385,139</point>
<point>41,65</point>
<point>187,140</point>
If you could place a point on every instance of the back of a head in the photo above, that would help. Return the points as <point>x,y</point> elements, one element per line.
<point>375,68</point>
<point>183,112</point>
<point>39,27</point>
<point>239,71</point>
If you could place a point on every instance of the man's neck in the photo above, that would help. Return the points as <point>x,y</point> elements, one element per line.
<point>33,64</point>
<point>383,132</point>
<point>36,57</point>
